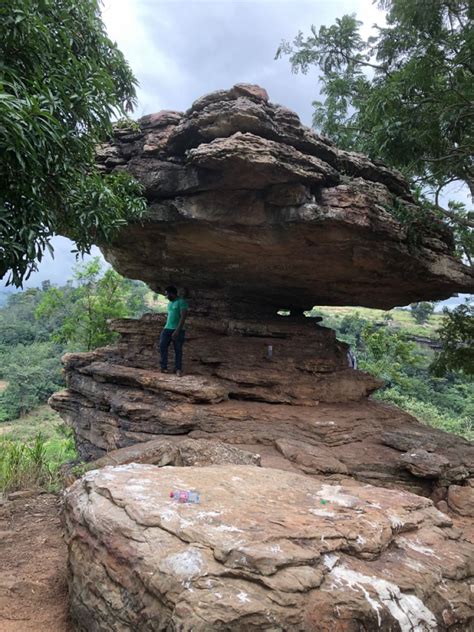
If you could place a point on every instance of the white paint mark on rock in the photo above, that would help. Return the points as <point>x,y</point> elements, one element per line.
<point>333,494</point>
<point>419,548</point>
<point>395,521</point>
<point>243,597</point>
<point>410,612</point>
<point>185,565</point>
<point>228,528</point>
<point>330,560</point>
<point>324,513</point>
<point>208,514</point>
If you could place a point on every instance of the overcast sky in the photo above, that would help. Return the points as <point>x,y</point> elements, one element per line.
<point>182,49</point>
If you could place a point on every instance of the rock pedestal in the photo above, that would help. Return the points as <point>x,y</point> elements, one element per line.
<point>254,212</point>
<point>303,408</point>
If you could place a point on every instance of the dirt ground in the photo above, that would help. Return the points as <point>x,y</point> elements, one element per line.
<point>33,590</point>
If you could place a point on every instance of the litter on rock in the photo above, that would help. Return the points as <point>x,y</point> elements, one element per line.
<point>185,496</point>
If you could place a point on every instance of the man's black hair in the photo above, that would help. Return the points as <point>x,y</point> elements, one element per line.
<point>171,289</point>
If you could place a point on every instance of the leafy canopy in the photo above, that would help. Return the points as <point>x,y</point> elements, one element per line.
<point>457,337</point>
<point>84,309</point>
<point>61,81</point>
<point>405,95</point>
<point>422,311</point>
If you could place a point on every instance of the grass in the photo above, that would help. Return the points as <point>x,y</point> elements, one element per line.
<point>396,318</point>
<point>32,450</point>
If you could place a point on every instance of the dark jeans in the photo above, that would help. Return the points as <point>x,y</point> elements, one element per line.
<point>165,341</point>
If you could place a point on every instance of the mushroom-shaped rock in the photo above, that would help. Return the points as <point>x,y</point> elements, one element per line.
<point>253,212</point>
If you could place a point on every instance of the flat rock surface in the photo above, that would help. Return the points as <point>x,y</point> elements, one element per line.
<point>264,550</point>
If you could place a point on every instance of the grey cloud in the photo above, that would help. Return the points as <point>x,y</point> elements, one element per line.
<point>182,49</point>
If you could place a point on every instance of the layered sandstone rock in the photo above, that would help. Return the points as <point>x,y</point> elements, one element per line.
<point>252,212</point>
<point>303,409</point>
<point>264,550</point>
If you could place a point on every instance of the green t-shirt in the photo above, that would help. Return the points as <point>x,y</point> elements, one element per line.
<point>174,312</point>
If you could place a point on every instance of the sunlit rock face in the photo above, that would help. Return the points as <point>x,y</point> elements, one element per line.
<point>252,211</point>
<point>264,550</point>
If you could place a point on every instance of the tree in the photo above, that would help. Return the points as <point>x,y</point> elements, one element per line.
<point>33,373</point>
<point>387,354</point>
<point>84,310</point>
<point>61,81</point>
<point>405,95</point>
<point>457,337</point>
<point>421,311</point>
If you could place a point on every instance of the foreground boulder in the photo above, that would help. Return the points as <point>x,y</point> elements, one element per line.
<point>264,550</point>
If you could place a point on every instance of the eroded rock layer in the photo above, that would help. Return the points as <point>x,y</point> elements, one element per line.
<point>252,211</point>
<point>264,550</point>
<point>302,410</point>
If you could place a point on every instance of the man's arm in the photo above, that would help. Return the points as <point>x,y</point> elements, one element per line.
<point>182,317</point>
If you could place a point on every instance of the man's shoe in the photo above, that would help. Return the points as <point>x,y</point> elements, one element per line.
<point>164,370</point>
<point>179,373</point>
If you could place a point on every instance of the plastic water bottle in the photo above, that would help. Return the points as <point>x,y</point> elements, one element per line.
<point>185,495</point>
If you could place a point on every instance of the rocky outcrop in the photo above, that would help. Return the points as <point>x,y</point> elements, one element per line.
<point>302,409</point>
<point>264,550</point>
<point>254,212</point>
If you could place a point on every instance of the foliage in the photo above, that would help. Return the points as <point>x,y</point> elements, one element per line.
<point>18,323</point>
<point>457,337</point>
<point>37,326</point>
<point>387,354</point>
<point>85,309</point>
<point>33,464</point>
<point>405,95</point>
<point>429,413</point>
<point>422,311</point>
<point>61,81</point>
<point>445,401</point>
<point>33,373</point>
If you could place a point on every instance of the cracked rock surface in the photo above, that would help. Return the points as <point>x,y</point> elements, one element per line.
<point>264,550</point>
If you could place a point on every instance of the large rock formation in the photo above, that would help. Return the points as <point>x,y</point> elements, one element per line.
<point>264,550</point>
<point>251,211</point>
<point>304,408</point>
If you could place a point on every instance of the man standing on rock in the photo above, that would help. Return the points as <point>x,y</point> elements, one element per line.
<point>173,331</point>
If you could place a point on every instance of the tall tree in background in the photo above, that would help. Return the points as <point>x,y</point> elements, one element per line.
<point>405,95</point>
<point>84,308</point>
<point>421,312</point>
<point>61,82</point>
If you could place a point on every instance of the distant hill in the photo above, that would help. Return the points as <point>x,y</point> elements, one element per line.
<point>396,319</point>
